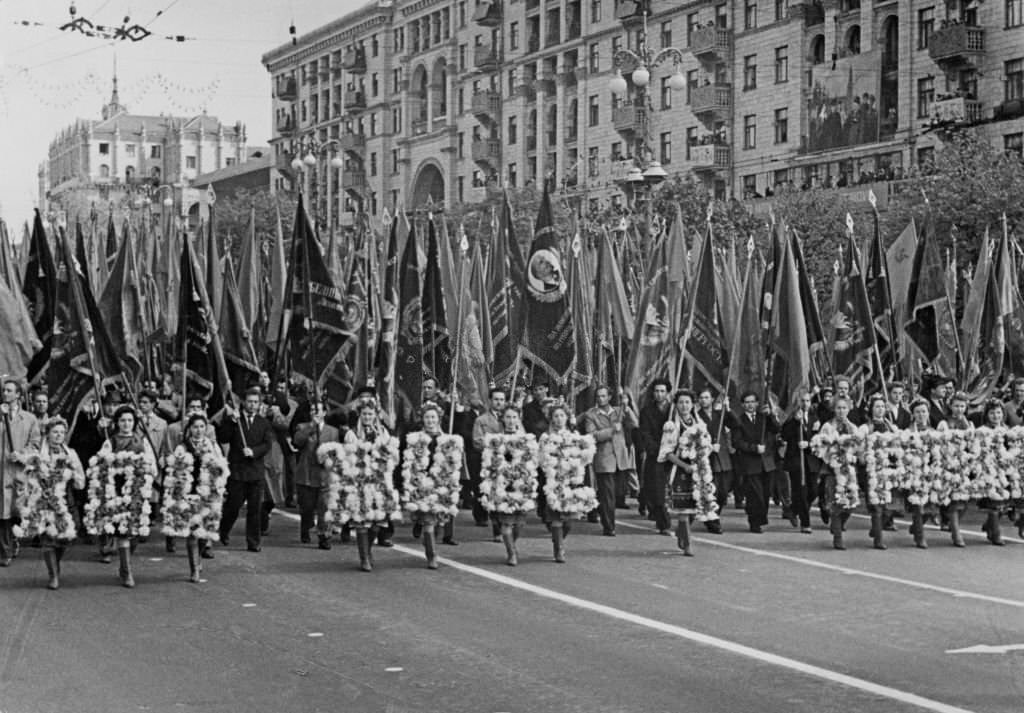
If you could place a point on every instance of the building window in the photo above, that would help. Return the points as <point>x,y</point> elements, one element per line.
<point>818,49</point>
<point>781,10</point>
<point>229,161</point>
<point>595,10</point>
<point>373,124</point>
<point>104,171</point>
<point>750,72</point>
<point>461,152</point>
<point>374,84</point>
<point>1014,144</point>
<point>781,126</point>
<point>1014,14</point>
<point>750,187</point>
<point>513,174</point>
<point>782,64</point>
<point>750,14</point>
<point>925,26</point>
<point>616,151</point>
<point>1014,79</point>
<point>460,188</point>
<point>129,150</point>
<point>666,93</point>
<point>513,35</point>
<point>104,149</point>
<point>154,152</point>
<point>750,131</point>
<point>190,162</point>
<point>780,178</point>
<point>594,111</point>
<point>665,147</point>
<point>925,156</point>
<point>691,140</point>
<point>592,161</point>
<point>616,44</point>
<point>395,154</point>
<point>373,163</point>
<point>594,57</point>
<point>666,34</point>
<point>925,96</point>
<point>853,40</point>
<point>513,131</point>
<point>462,14</point>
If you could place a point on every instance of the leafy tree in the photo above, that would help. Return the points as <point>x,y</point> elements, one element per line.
<point>231,216</point>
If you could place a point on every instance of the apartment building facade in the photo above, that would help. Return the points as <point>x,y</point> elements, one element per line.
<point>441,101</point>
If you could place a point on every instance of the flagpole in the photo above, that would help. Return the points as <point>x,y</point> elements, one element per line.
<point>735,338</point>
<point>689,321</point>
<point>463,246</point>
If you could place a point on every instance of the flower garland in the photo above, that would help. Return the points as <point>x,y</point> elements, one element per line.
<point>839,452</point>
<point>361,490</point>
<point>695,445</point>
<point>509,473</point>
<point>43,498</point>
<point>998,464</point>
<point>121,511</point>
<point>953,455</point>
<point>431,480</point>
<point>194,514</point>
<point>564,457</point>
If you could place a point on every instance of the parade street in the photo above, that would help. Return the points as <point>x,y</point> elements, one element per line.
<point>772,622</point>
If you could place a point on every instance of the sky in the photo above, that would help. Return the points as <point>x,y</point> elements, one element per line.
<point>49,78</point>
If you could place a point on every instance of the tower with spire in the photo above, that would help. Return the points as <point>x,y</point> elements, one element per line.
<point>114,106</point>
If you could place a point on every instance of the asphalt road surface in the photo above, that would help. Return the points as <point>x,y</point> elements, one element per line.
<point>759,623</point>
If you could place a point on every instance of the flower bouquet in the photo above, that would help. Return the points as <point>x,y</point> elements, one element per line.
<point>564,457</point>
<point>431,470</point>
<point>953,455</point>
<point>192,506</point>
<point>508,474</point>
<point>119,491</point>
<point>43,498</point>
<point>839,452</point>
<point>997,469</point>
<point>361,491</point>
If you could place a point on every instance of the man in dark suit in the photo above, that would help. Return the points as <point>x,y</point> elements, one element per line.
<point>898,413</point>
<point>652,419</point>
<point>712,415</point>
<point>754,438</point>
<point>535,419</point>
<point>249,437</point>
<point>799,462</point>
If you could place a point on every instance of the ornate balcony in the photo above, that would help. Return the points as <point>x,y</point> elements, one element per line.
<point>956,110</point>
<point>629,12</point>
<point>354,61</point>
<point>285,125</point>
<point>629,118</point>
<point>352,143</point>
<point>488,13</point>
<point>354,181</point>
<point>713,99</point>
<point>355,101</point>
<point>957,45</point>
<point>487,152</point>
<point>810,13</point>
<point>711,44</point>
<point>710,158</point>
<point>486,104</point>
<point>485,58</point>
<point>286,89</point>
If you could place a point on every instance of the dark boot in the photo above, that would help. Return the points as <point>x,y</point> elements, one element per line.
<point>428,547</point>
<point>877,528</point>
<point>835,525</point>
<point>954,526</point>
<point>508,538</point>
<point>566,528</point>
<point>363,544</point>
<point>917,528</point>
<point>683,535</point>
<point>194,565</point>
<point>557,542</point>
<point>992,528</point>
<point>124,555</point>
<point>169,545</point>
<point>52,568</point>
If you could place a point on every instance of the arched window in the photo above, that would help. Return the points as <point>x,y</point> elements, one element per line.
<point>818,49</point>
<point>853,40</point>
<point>104,171</point>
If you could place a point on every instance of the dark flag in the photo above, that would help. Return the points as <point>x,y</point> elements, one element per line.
<point>110,250</point>
<point>386,348</point>
<point>40,290</point>
<point>821,367</point>
<point>409,336</point>
<point>876,280</point>
<point>750,359</point>
<point>437,353</point>
<point>853,330</point>
<point>121,303</point>
<point>581,301</point>
<point>317,330</point>
<point>548,339</point>
<point>250,284</point>
<point>21,342</point>
<point>613,319</point>
<point>704,348</point>
<point>505,275</point>
<point>986,317</point>
<point>236,335</point>
<point>195,328</point>
<point>652,332</point>
<point>929,318</point>
<point>791,371</point>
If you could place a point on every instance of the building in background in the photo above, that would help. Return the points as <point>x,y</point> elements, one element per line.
<point>125,160</point>
<point>402,102</point>
<point>256,173</point>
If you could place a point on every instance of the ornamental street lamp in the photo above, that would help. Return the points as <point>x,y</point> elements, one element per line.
<point>647,172</point>
<point>311,150</point>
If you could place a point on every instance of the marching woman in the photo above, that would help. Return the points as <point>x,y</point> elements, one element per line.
<point>878,496</point>
<point>992,486</point>
<point>431,471</point>
<point>918,494</point>
<point>195,481</point>
<point>46,501</point>
<point>120,486</point>
<point>563,459</point>
<point>685,450</point>
<point>840,480</point>
<point>361,492</point>
<point>508,487</point>
<point>956,484</point>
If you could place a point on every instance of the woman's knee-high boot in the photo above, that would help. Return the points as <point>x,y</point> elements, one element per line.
<point>835,524</point>
<point>683,535</point>
<point>52,567</point>
<point>194,565</point>
<point>917,527</point>
<point>428,546</point>
<point>508,538</point>
<point>124,554</point>
<point>363,544</point>
<point>954,525</point>
<point>557,541</point>
<point>992,528</point>
<point>878,527</point>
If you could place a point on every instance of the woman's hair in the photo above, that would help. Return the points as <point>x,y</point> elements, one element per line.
<point>918,402</point>
<point>193,418</point>
<point>684,392</point>
<point>550,410</point>
<point>991,405</point>
<point>52,423</point>
<point>430,406</point>
<point>121,411</point>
